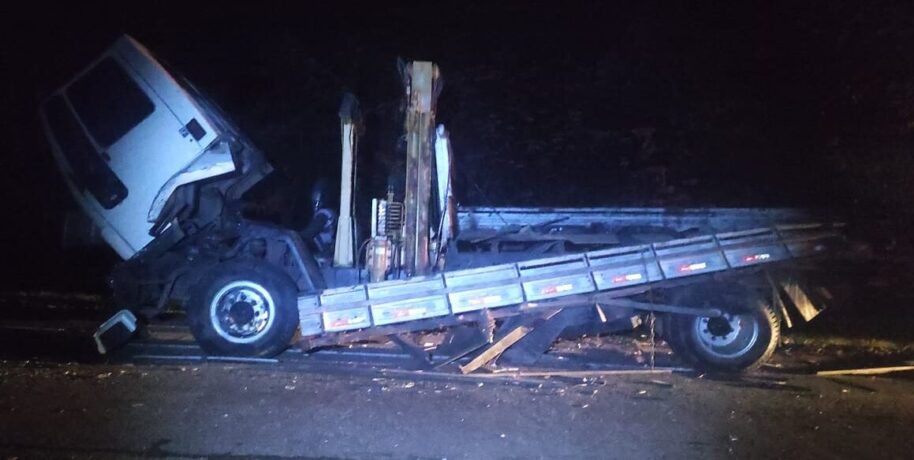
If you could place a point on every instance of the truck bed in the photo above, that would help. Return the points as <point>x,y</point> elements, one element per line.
<point>450,296</point>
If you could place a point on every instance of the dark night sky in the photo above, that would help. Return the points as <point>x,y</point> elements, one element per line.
<point>562,103</point>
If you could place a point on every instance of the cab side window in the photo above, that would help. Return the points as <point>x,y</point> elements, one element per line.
<point>90,171</point>
<point>108,102</point>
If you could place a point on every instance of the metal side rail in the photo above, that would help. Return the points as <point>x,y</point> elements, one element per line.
<point>458,296</point>
<point>706,220</point>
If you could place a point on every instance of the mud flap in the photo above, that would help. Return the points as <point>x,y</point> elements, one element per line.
<point>115,332</point>
<point>799,296</point>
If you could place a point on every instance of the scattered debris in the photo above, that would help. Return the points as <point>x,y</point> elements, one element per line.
<point>495,349</point>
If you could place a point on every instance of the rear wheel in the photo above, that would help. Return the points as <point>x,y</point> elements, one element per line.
<point>744,337</point>
<point>244,309</point>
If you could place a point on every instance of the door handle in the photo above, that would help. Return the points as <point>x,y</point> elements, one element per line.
<point>193,128</point>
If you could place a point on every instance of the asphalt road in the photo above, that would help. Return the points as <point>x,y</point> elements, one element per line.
<point>58,399</point>
<point>221,410</point>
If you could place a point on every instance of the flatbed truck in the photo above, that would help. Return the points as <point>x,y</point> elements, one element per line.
<point>163,172</point>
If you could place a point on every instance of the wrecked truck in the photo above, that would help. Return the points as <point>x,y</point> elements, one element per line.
<point>163,174</point>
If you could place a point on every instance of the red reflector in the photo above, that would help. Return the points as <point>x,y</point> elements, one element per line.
<point>557,289</point>
<point>693,267</point>
<point>406,312</point>
<point>484,300</point>
<point>346,321</point>
<point>629,277</point>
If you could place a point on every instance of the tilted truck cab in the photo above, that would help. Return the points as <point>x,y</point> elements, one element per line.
<point>125,133</point>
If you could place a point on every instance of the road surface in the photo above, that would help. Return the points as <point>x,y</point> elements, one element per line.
<point>227,410</point>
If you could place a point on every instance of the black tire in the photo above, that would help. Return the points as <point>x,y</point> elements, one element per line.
<point>672,333</point>
<point>744,338</point>
<point>243,309</point>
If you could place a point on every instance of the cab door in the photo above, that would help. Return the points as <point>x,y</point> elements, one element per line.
<point>136,135</point>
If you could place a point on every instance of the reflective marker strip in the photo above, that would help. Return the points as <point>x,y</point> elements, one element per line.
<point>485,300</point>
<point>693,267</point>
<point>406,312</point>
<point>557,289</point>
<point>345,322</point>
<point>756,257</point>
<point>629,277</point>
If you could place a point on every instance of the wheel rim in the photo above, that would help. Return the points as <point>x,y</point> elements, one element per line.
<point>242,312</point>
<point>726,336</point>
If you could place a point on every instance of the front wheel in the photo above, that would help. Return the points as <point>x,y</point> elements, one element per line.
<point>744,337</point>
<point>243,309</point>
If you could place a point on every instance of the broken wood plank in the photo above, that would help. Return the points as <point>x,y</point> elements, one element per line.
<point>476,378</point>
<point>508,337</point>
<point>547,328</point>
<point>600,373</point>
<point>461,341</point>
<point>867,371</point>
<point>495,349</point>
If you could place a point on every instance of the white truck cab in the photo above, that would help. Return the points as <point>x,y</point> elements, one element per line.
<point>126,134</point>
